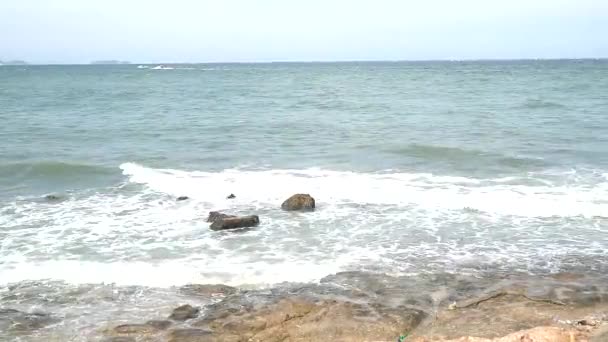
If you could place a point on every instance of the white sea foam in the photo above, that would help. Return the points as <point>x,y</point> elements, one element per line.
<point>267,188</point>
<point>399,223</point>
<point>162,67</point>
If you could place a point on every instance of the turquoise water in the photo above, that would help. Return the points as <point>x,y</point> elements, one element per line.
<point>421,167</point>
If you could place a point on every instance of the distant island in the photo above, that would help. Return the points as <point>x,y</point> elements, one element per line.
<point>15,62</point>
<point>110,62</point>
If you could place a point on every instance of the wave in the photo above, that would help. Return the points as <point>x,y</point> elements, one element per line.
<point>504,196</point>
<point>388,222</point>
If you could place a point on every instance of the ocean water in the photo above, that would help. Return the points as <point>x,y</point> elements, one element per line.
<point>417,168</point>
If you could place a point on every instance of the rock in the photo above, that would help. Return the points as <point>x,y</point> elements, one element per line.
<point>190,335</point>
<point>53,198</point>
<point>135,329</point>
<point>182,198</point>
<point>231,196</point>
<point>300,202</point>
<point>300,319</point>
<point>184,312</point>
<point>211,290</point>
<point>538,334</point>
<point>120,339</point>
<point>16,320</point>
<point>216,215</point>
<point>235,222</point>
<point>159,324</point>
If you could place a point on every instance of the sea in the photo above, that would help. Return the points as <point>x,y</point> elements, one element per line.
<point>461,167</point>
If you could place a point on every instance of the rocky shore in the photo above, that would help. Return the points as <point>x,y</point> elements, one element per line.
<point>355,306</point>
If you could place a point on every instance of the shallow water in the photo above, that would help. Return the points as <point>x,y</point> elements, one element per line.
<point>472,168</point>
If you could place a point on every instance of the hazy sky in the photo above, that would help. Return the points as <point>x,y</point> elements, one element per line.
<point>77,31</point>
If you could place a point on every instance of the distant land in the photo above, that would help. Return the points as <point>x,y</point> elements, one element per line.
<point>110,62</point>
<point>16,62</point>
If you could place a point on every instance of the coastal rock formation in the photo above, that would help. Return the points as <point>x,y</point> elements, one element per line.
<point>300,319</point>
<point>184,312</point>
<point>216,215</point>
<point>235,222</point>
<point>360,306</point>
<point>538,334</point>
<point>208,290</point>
<point>15,320</point>
<point>299,202</point>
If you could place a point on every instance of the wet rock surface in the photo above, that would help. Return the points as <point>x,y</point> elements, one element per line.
<point>356,306</point>
<point>184,312</point>
<point>208,290</point>
<point>235,222</point>
<point>15,320</point>
<point>216,215</point>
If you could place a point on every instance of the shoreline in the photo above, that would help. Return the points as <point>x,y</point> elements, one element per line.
<point>347,306</point>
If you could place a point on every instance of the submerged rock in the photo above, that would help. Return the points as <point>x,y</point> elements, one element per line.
<point>53,198</point>
<point>15,320</point>
<point>216,215</point>
<point>210,290</point>
<point>299,202</point>
<point>182,198</point>
<point>235,222</point>
<point>135,329</point>
<point>184,312</point>
<point>159,324</point>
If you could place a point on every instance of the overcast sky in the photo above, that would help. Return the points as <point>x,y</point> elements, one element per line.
<point>78,31</point>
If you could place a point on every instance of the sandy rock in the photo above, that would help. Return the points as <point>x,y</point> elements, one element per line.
<point>138,329</point>
<point>538,334</point>
<point>299,202</point>
<point>190,335</point>
<point>297,319</point>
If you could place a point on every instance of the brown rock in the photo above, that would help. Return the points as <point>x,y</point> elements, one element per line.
<point>190,335</point>
<point>120,339</point>
<point>184,312</point>
<point>216,215</point>
<point>235,222</point>
<point>158,324</point>
<point>138,329</point>
<point>538,334</point>
<point>300,202</point>
<point>298,319</point>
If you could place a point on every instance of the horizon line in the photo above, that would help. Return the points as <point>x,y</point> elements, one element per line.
<point>123,62</point>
